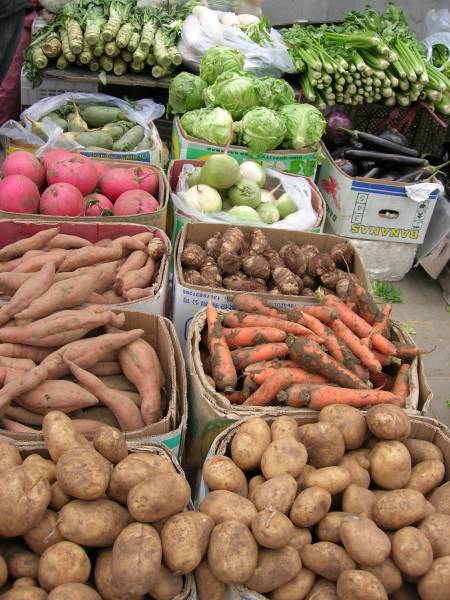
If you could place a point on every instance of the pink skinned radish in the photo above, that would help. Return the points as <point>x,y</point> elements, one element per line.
<point>62,199</point>
<point>135,202</point>
<point>19,194</point>
<point>118,181</point>
<point>101,168</point>
<point>98,205</point>
<point>53,155</point>
<point>148,179</point>
<point>24,163</point>
<point>78,170</point>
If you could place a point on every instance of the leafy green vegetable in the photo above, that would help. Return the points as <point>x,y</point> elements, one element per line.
<point>260,32</point>
<point>261,129</point>
<point>185,93</point>
<point>235,92</point>
<point>218,60</point>
<point>305,125</point>
<point>440,55</point>
<point>274,93</point>
<point>385,292</point>
<point>213,125</point>
<point>189,118</point>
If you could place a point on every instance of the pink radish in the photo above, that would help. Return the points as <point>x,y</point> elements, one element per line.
<point>148,179</point>
<point>62,199</point>
<point>19,194</point>
<point>118,181</point>
<point>58,154</point>
<point>101,168</point>
<point>78,170</point>
<point>135,202</point>
<point>24,163</point>
<point>98,205</point>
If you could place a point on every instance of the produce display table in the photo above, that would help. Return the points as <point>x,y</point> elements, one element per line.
<point>87,76</point>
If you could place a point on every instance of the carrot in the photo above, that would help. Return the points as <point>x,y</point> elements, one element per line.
<point>11,282</point>
<point>235,397</point>
<point>313,359</point>
<point>329,339</point>
<point>384,359</point>
<point>136,260</point>
<point>30,290</point>
<point>251,336</point>
<point>246,356</point>
<point>323,313</point>
<point>106,368</point>
<point>366,305</point>
<point>35,263</point>
<point>401,383</point>
<point>317,397</point>
<point>15,427</point>
<point>241,319</point>
<point>297,376</point>
<point>249,386</point>
<point>382,319</point>
<point>206,361</point>
<point>140,365</point>
<point>139,278</point>
<point>352,363</point>
<point>407,352</point>
<point>24,351</point>
<point>270,364</point>
<point>35,242</point>
<point>126,412</point>
<point>359,349</point>
<point>25,364</point>
<point>253,304</point>
<point>382,380</point>
<point>91,255</point>
<point>67,242</point>
<point>270,388</point>
<point>137,293</point>
<point>222,364</point>
<point>62,395</point>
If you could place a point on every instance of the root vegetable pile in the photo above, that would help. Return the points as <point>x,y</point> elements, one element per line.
<point>71,185</point>
<point>350,507</point>
<point>248,263</point>
<point>310,356</point>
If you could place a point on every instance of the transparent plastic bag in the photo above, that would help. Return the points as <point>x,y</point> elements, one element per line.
<point>437,20</point>
<point>261,61</point>
<point>441,37</point>
<point>298,189</point>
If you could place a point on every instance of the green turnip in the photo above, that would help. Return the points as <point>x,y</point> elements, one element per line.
<point>245,193</point>
<point>220,171</point>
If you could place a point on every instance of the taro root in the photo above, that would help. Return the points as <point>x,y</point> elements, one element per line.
<point>319,264</point>
<point>275,291</point>
<point>240,283</point>
<point>258,242</point>
<point>274,258</point>
<point>212,246</point>
<point>308,292</point>
<point>211,274</point>
<point>309,250</point>
<point>294,258</point>
<point>193,256</point>
<point>308,281</point>
<point>256,266</point>
<point>342,254</point>
<point>326,291</point>
<point>287,282</point>
<point>194,277</point>
<point>229,263</point>
<point>156,248</point>
<point>262,285</point>
<point>233,240</point>
<point>330,279</point>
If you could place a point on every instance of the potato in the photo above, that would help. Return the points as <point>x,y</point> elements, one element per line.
<point>326,559</point>
<point>328,529</point>
<point>24,497</point>
<point>359,476</point>
<point>283,427</point>
<point>274,569</point>
<point>350,422</point>
<point>388,573</point>
<point>399,508</point>
<point>360,585</point>
<point>3,571</point>
<point>47,468</point>
<point>167,585</point>
<point>64,562</point>
<point>435,584</point>
<point>324,444</point>
<point>220,473</point>
<point>24,582</point>
<point>332,479</point>
<point>23,564</point>
<point>440,498</point>
<point>9,456</point>
<point>300,538</point>
<point>323,590</point>
<point>361,456</point>
<point>249,443</point>
<point>83,473</point>
<point>310,507</point>
<point>272,529</point>
<point>183,543</point>
<point>278,493</point>
<point>254,482</point>
<point>421,450</point>
<point>104,578</point>
<point>232,552</point>
<point>73,591</point>
<point>226,506</point>
<point>426,475</point>
<point>307,470</point>
<point>297,588</point>
<point>436,528</point>
<point>412,552</point>
<point>390,465</point>
<point>58,497</point>
<point>111,443</point>
<point>285,455</point>
<point>60,434</point>
<point>25,593</point>
<point>429,509</point>
<point>95,524</point>
<point>358,501</point>
<point>132,470</point>
<point>388,422</point>
<point>208,586</point>
<point>158,497</point>
<point>136,559</point>
<point>366,543</point>
<point>406,592</point>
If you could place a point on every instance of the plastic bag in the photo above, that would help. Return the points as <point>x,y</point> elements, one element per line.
<point>298,189</point>
<point>441,37</point>
<point>262,61</point>
<point>437,20</point>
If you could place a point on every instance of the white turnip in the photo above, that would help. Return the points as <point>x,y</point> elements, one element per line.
<point>134,202</point>
<point>24,163</point>
<point>98,205</point>
<point>19,194</point>
<point>78,170</point>
<point>118,181</point>
<point>62,199</point>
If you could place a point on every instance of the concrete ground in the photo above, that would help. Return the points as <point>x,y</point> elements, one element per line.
<point>424,309</point>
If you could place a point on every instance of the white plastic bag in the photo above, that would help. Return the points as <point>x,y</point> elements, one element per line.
<point>298,189</point>
<point>437,20</point>
<point>262,61</point>
<point>442,37</point>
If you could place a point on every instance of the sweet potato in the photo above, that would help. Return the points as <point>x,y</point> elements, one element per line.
<point>24,351</point>
<point>56,395</point>
<point>130,242</point>
<point>16,427</point>
<point>67,242</point>
<point>17,363</point>
<point>11,282</point>
<point>35,242</point>
<point>105,368</point>
<point>91,255</point>
<point>139,278</point>
<point>137,293</point>
<point>107,270</point>
<point>35,263</point>
<point>24,416</point>
<point>136,260</point>
<point>112,298</point>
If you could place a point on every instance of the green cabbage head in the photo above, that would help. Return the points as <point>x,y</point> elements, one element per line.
<point>218,60</point>
<point>261,129</point>
<point>212,125</point>
<point>185,93</point>
<point>305,125</point>
<point>235,92</point>
<point>274,93</point>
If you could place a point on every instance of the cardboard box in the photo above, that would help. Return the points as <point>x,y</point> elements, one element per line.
<point>170,430</point>
<point>434,253</point>
<point>188,299</point>
<point>299,162</point>
<point>371,209</point>
<point>156,219</point>
<point>11,231</point>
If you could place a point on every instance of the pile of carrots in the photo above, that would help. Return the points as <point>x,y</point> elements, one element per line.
<point>310,356</point>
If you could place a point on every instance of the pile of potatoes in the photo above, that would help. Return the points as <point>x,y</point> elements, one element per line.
<point>346,508</point>
<point>94,521</point>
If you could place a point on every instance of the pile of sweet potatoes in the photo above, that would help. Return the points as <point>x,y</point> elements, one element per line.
<point>51,271</point>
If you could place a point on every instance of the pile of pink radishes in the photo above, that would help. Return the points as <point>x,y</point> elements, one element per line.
<point>70,185</point>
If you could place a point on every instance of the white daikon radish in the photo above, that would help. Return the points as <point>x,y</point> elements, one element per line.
<point>209,21</point>
<point>229,20</point>
<point>247,20</point>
